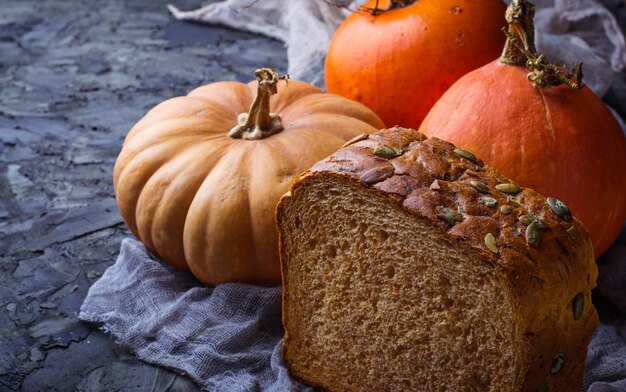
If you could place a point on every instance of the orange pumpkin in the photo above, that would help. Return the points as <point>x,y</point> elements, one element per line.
<point>399,61</point>
<point>559,141</point>
<point>198,177</point>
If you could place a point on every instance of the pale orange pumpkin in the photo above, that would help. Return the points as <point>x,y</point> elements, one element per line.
<point>399,58</point>
<point>560,141</point>
<point>203,200</point>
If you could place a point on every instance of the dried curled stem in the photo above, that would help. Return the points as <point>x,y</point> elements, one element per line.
<point>520,50</point>
<point>544,74</point>
<point>393,4</point>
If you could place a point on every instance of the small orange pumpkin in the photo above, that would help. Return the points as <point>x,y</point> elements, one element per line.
<point>199,176</point>
<point>556,140</point>
<point>402,55</point>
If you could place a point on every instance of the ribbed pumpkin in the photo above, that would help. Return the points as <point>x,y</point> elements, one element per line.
<point>399,58</point>
<point>560,141</point>
<point>199,176</point>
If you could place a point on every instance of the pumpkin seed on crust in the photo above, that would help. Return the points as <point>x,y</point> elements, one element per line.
<point>578,305</point>
<point>540,224</point>
<point>490,242</point>
<point>506,210</point>
<point>448,215</point>
<point>513,202</point>
<point>377,174</point>
<point>387,152</point>
<point>465,154</point>
<point>509,188</point>
<point>528,219</point>
<point>355,139</point>
<point>557,364</point>
<point>480,186</point>
<point>489,201</point>
<point>572,232</point>
<point>533,234</point>
<point>559,208</point>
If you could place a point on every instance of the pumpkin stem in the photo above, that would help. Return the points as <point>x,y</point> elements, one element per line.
<point>520,41</point>
<point>393,4</point>
<point>259,123</point>
<point>519,50</point>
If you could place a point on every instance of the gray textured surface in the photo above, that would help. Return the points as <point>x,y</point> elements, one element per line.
<point>74,77</point>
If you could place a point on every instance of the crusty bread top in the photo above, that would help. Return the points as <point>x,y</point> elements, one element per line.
<point>550,266</point>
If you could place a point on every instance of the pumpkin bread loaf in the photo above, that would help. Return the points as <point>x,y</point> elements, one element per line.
<point>409,265</point>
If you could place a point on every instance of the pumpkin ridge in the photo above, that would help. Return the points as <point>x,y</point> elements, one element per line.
<point>164,202</point>
<point>365,123</point>
<point>156,114</point>
<point>181,127</point>
<point>203,215</point>
<point>253,230</point>
<point>197,104</point>
<point>152,177</point>
<point>223,94</point>
<point>186,140</point>
<point>314,133</point>
<point>290,155</point>
<point>294,110</point>
<point>305,122</point>
<point>328,107</point>
<point>221,107</point>
<point>127,156</point>
<point>127,210</point>
<point>284,147</point>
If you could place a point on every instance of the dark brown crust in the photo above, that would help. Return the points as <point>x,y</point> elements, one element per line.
<point>544,279</point>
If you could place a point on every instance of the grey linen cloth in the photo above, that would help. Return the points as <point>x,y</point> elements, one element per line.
<point>606,358</point>
<point>226,338</point>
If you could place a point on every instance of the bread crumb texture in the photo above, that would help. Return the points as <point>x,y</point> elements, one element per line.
<point>409,265</point>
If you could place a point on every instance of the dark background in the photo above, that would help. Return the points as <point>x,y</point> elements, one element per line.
<point>74,77</point>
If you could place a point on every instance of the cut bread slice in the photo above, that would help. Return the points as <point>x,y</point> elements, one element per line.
<point>398,282</point>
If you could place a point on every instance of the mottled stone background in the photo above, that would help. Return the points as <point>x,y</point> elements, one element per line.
<point>74,77</point>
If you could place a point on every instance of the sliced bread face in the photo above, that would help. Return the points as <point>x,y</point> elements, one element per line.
<point>378,300</point>
<point>401,274</point>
